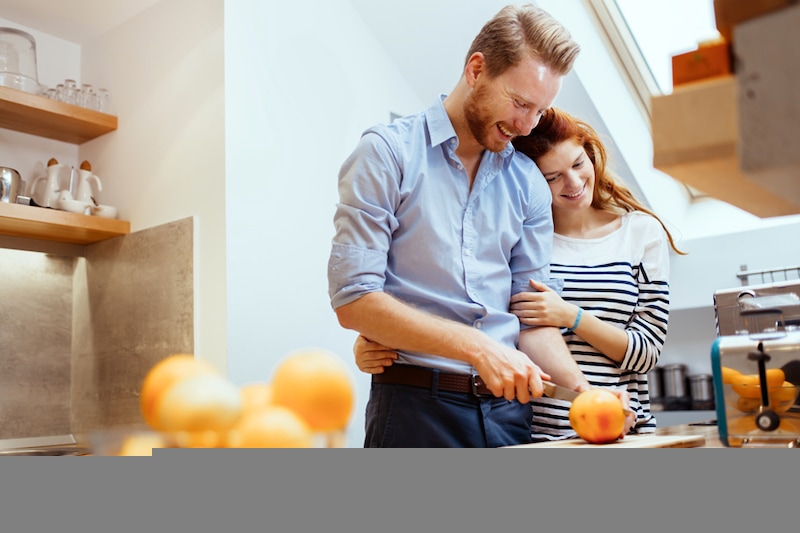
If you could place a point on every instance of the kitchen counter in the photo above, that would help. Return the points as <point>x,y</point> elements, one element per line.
<point>708,430</point>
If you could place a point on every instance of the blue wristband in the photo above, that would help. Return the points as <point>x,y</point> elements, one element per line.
<point>577,320</point>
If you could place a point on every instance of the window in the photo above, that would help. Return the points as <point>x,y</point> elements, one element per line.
<point>643,35</point>
<point>663,28</point>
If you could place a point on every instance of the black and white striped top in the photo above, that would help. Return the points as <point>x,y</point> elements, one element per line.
<point>621,278</point>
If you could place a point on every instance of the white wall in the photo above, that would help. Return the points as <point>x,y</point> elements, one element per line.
<point>166,160</point>
<point>302,82</point>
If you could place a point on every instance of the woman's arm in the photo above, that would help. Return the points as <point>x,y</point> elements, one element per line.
<point>547,308</point>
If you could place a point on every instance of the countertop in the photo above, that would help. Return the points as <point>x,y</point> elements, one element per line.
<point>707,429</point>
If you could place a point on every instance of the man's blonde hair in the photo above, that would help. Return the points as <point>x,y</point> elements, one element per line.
<point>516,32</point>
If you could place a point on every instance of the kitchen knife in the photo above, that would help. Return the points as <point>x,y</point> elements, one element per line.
<point>557,392</point>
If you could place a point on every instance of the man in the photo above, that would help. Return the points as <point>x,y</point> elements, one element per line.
<point>439,221</point>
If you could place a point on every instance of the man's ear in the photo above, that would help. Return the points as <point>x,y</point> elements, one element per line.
<point>476,66</point>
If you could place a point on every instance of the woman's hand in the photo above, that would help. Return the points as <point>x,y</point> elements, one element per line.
<point>630,414</point>
<point>543,308</point>
<point>372,357</point>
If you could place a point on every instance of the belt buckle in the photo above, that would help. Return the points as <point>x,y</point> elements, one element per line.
<point>475,381</point>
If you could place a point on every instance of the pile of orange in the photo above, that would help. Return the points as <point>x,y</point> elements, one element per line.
<point>782,393</point>
<point>311,394</point>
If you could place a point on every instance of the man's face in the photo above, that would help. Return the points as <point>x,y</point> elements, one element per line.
<point>499,109</point>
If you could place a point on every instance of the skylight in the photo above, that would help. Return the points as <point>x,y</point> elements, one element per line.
<point>663,28</point>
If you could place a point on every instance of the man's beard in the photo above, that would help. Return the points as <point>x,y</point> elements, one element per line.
<point>477,111</point>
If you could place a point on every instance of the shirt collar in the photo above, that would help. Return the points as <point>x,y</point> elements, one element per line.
<point>440,128</point>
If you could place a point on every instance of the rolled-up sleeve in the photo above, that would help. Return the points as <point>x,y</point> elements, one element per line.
<point>364,221</point>
<point>530,258</point>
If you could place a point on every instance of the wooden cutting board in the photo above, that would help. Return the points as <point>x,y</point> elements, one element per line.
<point>630,441</point>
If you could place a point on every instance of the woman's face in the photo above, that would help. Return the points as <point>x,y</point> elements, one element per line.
<point>570,174</point>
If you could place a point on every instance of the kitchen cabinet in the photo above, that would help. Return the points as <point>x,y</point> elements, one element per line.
<point>696,141</point>
<point>37,115</point>
<point>732,137</point>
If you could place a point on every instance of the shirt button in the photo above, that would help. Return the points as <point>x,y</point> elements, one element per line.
<point>478,325</point>
<point>459,166</point>
<point>468,252</point>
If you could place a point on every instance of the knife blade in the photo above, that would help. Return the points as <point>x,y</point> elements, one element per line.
<point>557,392</point>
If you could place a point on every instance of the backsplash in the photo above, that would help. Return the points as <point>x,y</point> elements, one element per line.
<point>92,326</point>
<point>35,335</point>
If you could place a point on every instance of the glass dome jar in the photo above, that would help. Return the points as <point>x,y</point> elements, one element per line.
<point>18,60</point>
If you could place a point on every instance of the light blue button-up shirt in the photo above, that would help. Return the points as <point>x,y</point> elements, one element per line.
<point>408,224</point>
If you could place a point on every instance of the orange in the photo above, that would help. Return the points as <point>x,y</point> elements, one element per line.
<point>200,403</point>
<point>163,375</point>
<point>780,398</point>
<point>729,374</point>
<point>318,386</point>
<point>271,426</point>
<point>749,385</point>
<point>742,425</point>
<point>790,425</point>
<point>784,393</point>
<point>141,444</point>
<point>748,405</point>
<point>255,395</point>
<point>597,416</point>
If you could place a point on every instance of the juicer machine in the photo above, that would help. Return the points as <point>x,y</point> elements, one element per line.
<point>755,363</point>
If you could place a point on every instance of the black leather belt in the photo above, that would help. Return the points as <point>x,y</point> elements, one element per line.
<point>417,376</point>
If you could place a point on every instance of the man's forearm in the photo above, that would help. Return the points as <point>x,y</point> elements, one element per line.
<point>384,319</point>
<point>546,347</point>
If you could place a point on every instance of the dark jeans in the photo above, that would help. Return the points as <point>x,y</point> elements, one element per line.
<point>400,416</point>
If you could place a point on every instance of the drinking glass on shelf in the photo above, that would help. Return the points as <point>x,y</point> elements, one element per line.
<point>103,98</point>
<point>51,93</point>
<point>60,92</point>
<point>70,91</point>
<point>86,96</point>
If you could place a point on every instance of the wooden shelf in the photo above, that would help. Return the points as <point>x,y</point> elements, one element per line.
<point>47,224</point>
<point>37,115</point>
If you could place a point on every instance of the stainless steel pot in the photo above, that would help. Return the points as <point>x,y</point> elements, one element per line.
<point>701,387</point>
<point>655,383</point>
<point>675,381</point>
<point>10,181</point>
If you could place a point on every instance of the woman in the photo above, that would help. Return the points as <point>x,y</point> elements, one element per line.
<point>613,255</point>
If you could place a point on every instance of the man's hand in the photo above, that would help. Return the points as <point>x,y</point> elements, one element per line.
<point>510,373</point>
